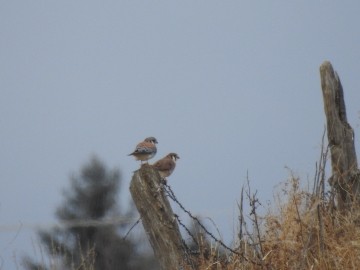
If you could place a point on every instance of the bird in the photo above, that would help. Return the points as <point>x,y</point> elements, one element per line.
<point>166,165</point>
<point>145,150</point>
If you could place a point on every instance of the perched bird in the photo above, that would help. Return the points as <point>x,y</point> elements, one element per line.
<point>166,165</point>
<point>145,150</point>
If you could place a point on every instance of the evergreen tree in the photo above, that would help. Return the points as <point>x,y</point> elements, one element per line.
<point>89,237</point>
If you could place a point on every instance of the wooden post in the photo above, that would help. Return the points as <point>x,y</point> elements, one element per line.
<point>345,177</point>
<point>158,218</point>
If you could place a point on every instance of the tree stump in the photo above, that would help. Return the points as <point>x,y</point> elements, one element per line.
<point>158,218</point>
<point>345,177</point>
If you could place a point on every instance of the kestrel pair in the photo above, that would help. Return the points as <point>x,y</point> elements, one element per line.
<point>147,150</point>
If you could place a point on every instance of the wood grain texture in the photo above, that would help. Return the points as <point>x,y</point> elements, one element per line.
<point>345,174</point>
<point>158,218</point>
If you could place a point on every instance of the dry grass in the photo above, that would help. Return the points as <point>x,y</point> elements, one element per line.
<point>303,232</point>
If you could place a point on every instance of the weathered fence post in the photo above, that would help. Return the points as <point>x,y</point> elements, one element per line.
<point>158,218</point>
<point>345,177</point>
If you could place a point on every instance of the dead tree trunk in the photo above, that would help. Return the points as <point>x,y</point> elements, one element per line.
<point>345,177</point>
<point>158,218</point>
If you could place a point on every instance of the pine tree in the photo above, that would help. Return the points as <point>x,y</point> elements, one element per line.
<point>89,237</point>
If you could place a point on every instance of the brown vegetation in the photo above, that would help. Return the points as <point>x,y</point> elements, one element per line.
<point>303,232</point>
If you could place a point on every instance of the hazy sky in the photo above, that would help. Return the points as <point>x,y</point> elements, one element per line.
<point>231,86</point>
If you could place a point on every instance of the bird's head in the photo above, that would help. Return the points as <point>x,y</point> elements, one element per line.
<point>151,139</point>
<point>173,156</point>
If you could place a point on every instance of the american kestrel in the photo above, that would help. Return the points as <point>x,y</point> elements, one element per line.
<point>145,150</point>
<point>166,165</point>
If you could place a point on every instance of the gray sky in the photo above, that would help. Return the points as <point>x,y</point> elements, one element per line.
<point>231,86</point>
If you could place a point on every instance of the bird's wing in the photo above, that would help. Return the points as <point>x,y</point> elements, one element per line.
<point>164,164</point>
<point>145,148</point>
